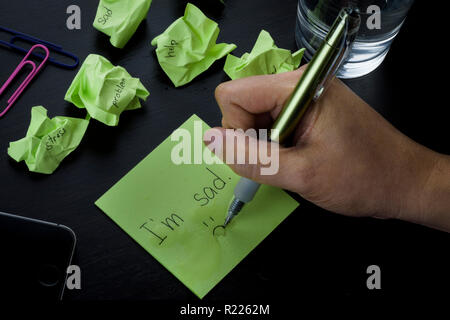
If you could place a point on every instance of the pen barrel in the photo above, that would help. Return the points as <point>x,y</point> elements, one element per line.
<point>311,83</point>
<point>303,95</point>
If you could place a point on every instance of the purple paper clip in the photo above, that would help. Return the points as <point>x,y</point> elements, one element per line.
<point>27,80</point>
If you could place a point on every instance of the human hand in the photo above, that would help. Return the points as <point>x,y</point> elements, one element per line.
<point>346,158</point>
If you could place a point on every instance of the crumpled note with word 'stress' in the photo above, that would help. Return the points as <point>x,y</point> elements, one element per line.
<point>48,141</point>
<point>105,90</point>
<point>188,46</point>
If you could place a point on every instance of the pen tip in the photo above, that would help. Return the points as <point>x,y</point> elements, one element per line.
<point>227,220</point>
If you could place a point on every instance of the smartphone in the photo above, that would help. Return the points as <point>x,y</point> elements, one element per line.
<point>34,257</point>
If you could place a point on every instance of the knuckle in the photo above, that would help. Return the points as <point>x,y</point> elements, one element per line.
<point>221,92</point>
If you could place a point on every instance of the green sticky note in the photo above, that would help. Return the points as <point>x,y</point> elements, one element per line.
<point>48,141</point>
<point>176,212</point>
<point>120,19</point>
<point>265,58</point>
<point>188,47</point>
<point>105,90</point>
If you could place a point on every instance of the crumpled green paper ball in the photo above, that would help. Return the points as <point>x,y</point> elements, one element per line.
<point>265,58</point>
<point>105,90</point>
<point>120,19</point>
<point>188,46</point>
<point>48,141</point>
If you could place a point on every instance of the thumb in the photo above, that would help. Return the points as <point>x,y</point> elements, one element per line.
<point>256,159</point>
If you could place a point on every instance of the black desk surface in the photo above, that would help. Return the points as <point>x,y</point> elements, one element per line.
<point>313,251</point>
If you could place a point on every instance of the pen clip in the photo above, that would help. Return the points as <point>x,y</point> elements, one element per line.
<point>340,58</point>
<point>344,49</point>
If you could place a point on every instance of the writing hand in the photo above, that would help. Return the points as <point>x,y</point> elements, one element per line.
<point>346,157</point>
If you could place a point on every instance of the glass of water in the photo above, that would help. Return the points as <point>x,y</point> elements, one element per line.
<point>381,20</point>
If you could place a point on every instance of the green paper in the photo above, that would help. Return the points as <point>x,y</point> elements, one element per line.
<point>48,141</point>
<point>265,58</point>
<point>172,210</point>
<point>105,90</point>
<point>188,46</point>
<point>120,19</point>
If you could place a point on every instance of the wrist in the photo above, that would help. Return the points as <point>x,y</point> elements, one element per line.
<point>430,203</point>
